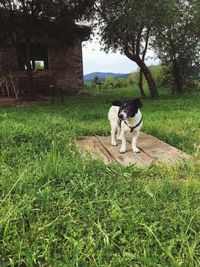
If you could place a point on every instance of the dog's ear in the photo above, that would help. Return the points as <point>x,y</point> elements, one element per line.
<point>117,103</point>
<point>137,103</point>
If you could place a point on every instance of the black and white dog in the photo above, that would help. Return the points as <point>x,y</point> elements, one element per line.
<point>125,116</point>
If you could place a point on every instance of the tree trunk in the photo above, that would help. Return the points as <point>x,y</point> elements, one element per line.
<point>178,83</point>
<point>140,84</point>
<point>143,67</point>
<point>148,76</point>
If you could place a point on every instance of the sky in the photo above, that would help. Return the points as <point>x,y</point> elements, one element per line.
<point>95,60</point>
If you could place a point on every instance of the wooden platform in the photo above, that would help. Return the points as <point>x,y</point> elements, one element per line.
<point>152,149</point>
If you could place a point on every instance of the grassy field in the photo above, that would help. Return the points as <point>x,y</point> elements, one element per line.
<point>59,208</point>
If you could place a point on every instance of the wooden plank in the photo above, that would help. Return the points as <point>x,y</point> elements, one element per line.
<point>151,149</point>
<point>92,146</point>
<point>128,158</point>
<point>160,150</point>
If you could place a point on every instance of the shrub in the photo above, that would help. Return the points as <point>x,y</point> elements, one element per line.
<point>121,82</point>
<point>109,82</point>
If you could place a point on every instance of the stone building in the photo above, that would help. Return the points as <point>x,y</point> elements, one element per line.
<point>53,63</point>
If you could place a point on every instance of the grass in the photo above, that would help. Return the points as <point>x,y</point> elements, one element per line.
<point>59,208</point>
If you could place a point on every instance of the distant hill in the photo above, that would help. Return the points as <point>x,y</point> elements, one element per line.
<point>103,75</point>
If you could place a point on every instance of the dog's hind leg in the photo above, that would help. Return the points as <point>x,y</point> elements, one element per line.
<point>113,133</point>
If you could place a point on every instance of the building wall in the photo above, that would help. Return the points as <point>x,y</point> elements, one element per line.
<point>8,59</point>
<point>67,65</point>
<point>65,68</point>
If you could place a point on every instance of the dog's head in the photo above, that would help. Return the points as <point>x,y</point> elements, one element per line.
<point>127,108</point>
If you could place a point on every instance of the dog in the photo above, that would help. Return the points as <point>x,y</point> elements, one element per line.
<point>125,116</point>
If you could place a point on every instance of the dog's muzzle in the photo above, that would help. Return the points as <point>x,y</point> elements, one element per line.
<point>122,115</point>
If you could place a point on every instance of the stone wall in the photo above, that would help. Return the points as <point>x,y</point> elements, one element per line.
<point>65,68</point>
<point>66,63</point>
<point>8,59</point>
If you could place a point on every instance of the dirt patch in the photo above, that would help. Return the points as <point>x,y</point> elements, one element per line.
<point>5,101</point>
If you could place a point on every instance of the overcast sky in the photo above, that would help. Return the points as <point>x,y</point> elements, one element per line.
<point>95,60</point>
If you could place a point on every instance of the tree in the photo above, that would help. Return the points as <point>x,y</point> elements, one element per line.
<point>96,80</point>
<point>109,82</point>
<point>177,43</point>
<point>127,26</point>
<point>121,82</point>
<point>21,20</point>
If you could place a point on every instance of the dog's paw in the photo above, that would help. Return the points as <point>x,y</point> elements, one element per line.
<point>122,150</point>
<point>119,138</point>
<point>113,143</point>
<point>136,150</point>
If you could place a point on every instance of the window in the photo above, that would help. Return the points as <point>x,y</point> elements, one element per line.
<point>36,65</point>
<point>39,56</point>
<point>39,65</point>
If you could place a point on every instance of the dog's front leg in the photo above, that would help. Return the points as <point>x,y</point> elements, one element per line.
<point>134,142</point>
<point>119,133</point>
<point>113,132</point>
<point>123,147</point>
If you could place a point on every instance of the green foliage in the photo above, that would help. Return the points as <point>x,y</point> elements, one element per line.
<point>177,44</point>
<point>131,78</point>
<point>39,65</point>
<point>61,208</point>
<point>131,34</point>
<point>111,82</point>
<point>96,79</point>
<point>121,82</point>
<point>120,29</point>
<point>159,73</point>
<point>94,82</point>
<point>170,27</point>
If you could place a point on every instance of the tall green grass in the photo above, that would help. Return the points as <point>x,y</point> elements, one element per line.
<point>60,208</point>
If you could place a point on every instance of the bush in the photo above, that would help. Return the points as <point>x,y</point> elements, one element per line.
<point>121,82</point>
<point>111,83</point>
